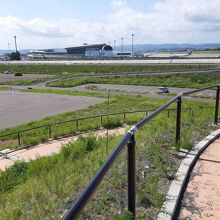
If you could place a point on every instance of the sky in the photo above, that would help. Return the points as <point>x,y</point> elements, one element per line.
<point>62,23</point>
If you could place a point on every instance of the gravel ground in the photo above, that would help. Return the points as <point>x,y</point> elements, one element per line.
<point>201,199</point>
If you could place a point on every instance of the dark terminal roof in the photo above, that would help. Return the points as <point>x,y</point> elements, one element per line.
<point>87,46</point>
<point>107,47</point>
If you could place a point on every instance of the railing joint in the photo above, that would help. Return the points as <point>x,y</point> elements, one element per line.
<point>133,130</point>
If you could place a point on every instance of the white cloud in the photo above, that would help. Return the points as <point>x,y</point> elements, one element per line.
<point>170,21</point>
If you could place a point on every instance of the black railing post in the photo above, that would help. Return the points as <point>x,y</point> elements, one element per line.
<point>178,120</point>
<point>49,129</point>
<point>217,105</point>
<point>19,139</point>
<point>101,121</point>
<point>77,125</point>
<point>131,176</point>
<point>124,118</point>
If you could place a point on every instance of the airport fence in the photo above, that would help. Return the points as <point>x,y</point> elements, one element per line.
<point>34,135</point>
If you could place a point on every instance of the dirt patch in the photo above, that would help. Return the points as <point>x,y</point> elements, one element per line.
<point>8,142</point>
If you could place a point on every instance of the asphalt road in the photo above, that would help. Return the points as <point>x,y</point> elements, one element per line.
<point>18,107</point>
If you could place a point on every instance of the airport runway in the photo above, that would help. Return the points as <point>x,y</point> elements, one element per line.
<point>124,61</point>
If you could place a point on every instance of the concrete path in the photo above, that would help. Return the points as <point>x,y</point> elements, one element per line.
<point>8,157</point>
<point>202,196</point>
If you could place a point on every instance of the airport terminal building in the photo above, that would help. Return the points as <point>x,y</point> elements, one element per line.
<point>93,50</point>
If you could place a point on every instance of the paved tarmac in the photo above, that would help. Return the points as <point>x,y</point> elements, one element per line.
<point>19,107</point>
<point>148,91</point>
<point>199,60</point>
<point>201,199</point>
<point>143,89</point>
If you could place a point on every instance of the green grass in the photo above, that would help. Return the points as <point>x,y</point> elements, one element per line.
<point>193,80</point>
<point>43,188</point>
<point>65,92</point>
<point>54,69</point>
<point>4,88</point>
<point>23,82</point>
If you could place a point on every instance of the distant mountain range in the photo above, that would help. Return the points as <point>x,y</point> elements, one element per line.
<point>164,47</point>
<point>149,47</point>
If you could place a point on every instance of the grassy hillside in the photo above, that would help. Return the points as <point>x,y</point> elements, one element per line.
<point>44,188</point>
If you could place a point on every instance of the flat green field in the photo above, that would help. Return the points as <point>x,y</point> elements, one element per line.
<point>79,69</point>
<point>189,80</point>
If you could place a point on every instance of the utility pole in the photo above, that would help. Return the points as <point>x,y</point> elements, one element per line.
<point>16,49</point>
<point>132,45</point>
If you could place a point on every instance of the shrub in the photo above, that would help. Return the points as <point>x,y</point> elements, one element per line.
<point>90,143</point>
<point>13,176</point>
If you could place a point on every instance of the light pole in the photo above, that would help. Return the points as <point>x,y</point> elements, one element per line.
<point>16,49</point>
<point>132,45</point>
<point>122,44</point>
<point>9,50</point>
<point>114,45</point>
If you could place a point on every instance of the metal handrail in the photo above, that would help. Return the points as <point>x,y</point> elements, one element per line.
<point>92,186</point>
<point>199,90</point>
<point>129,138</point>
<point>90,117</point>
<point>49,126</point>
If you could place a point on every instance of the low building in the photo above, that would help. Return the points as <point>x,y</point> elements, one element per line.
<point>46,54</point>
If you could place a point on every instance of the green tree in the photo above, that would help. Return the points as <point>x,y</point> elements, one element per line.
<point>15,56</point>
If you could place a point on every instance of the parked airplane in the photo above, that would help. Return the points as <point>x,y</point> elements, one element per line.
<point>174,56</point>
